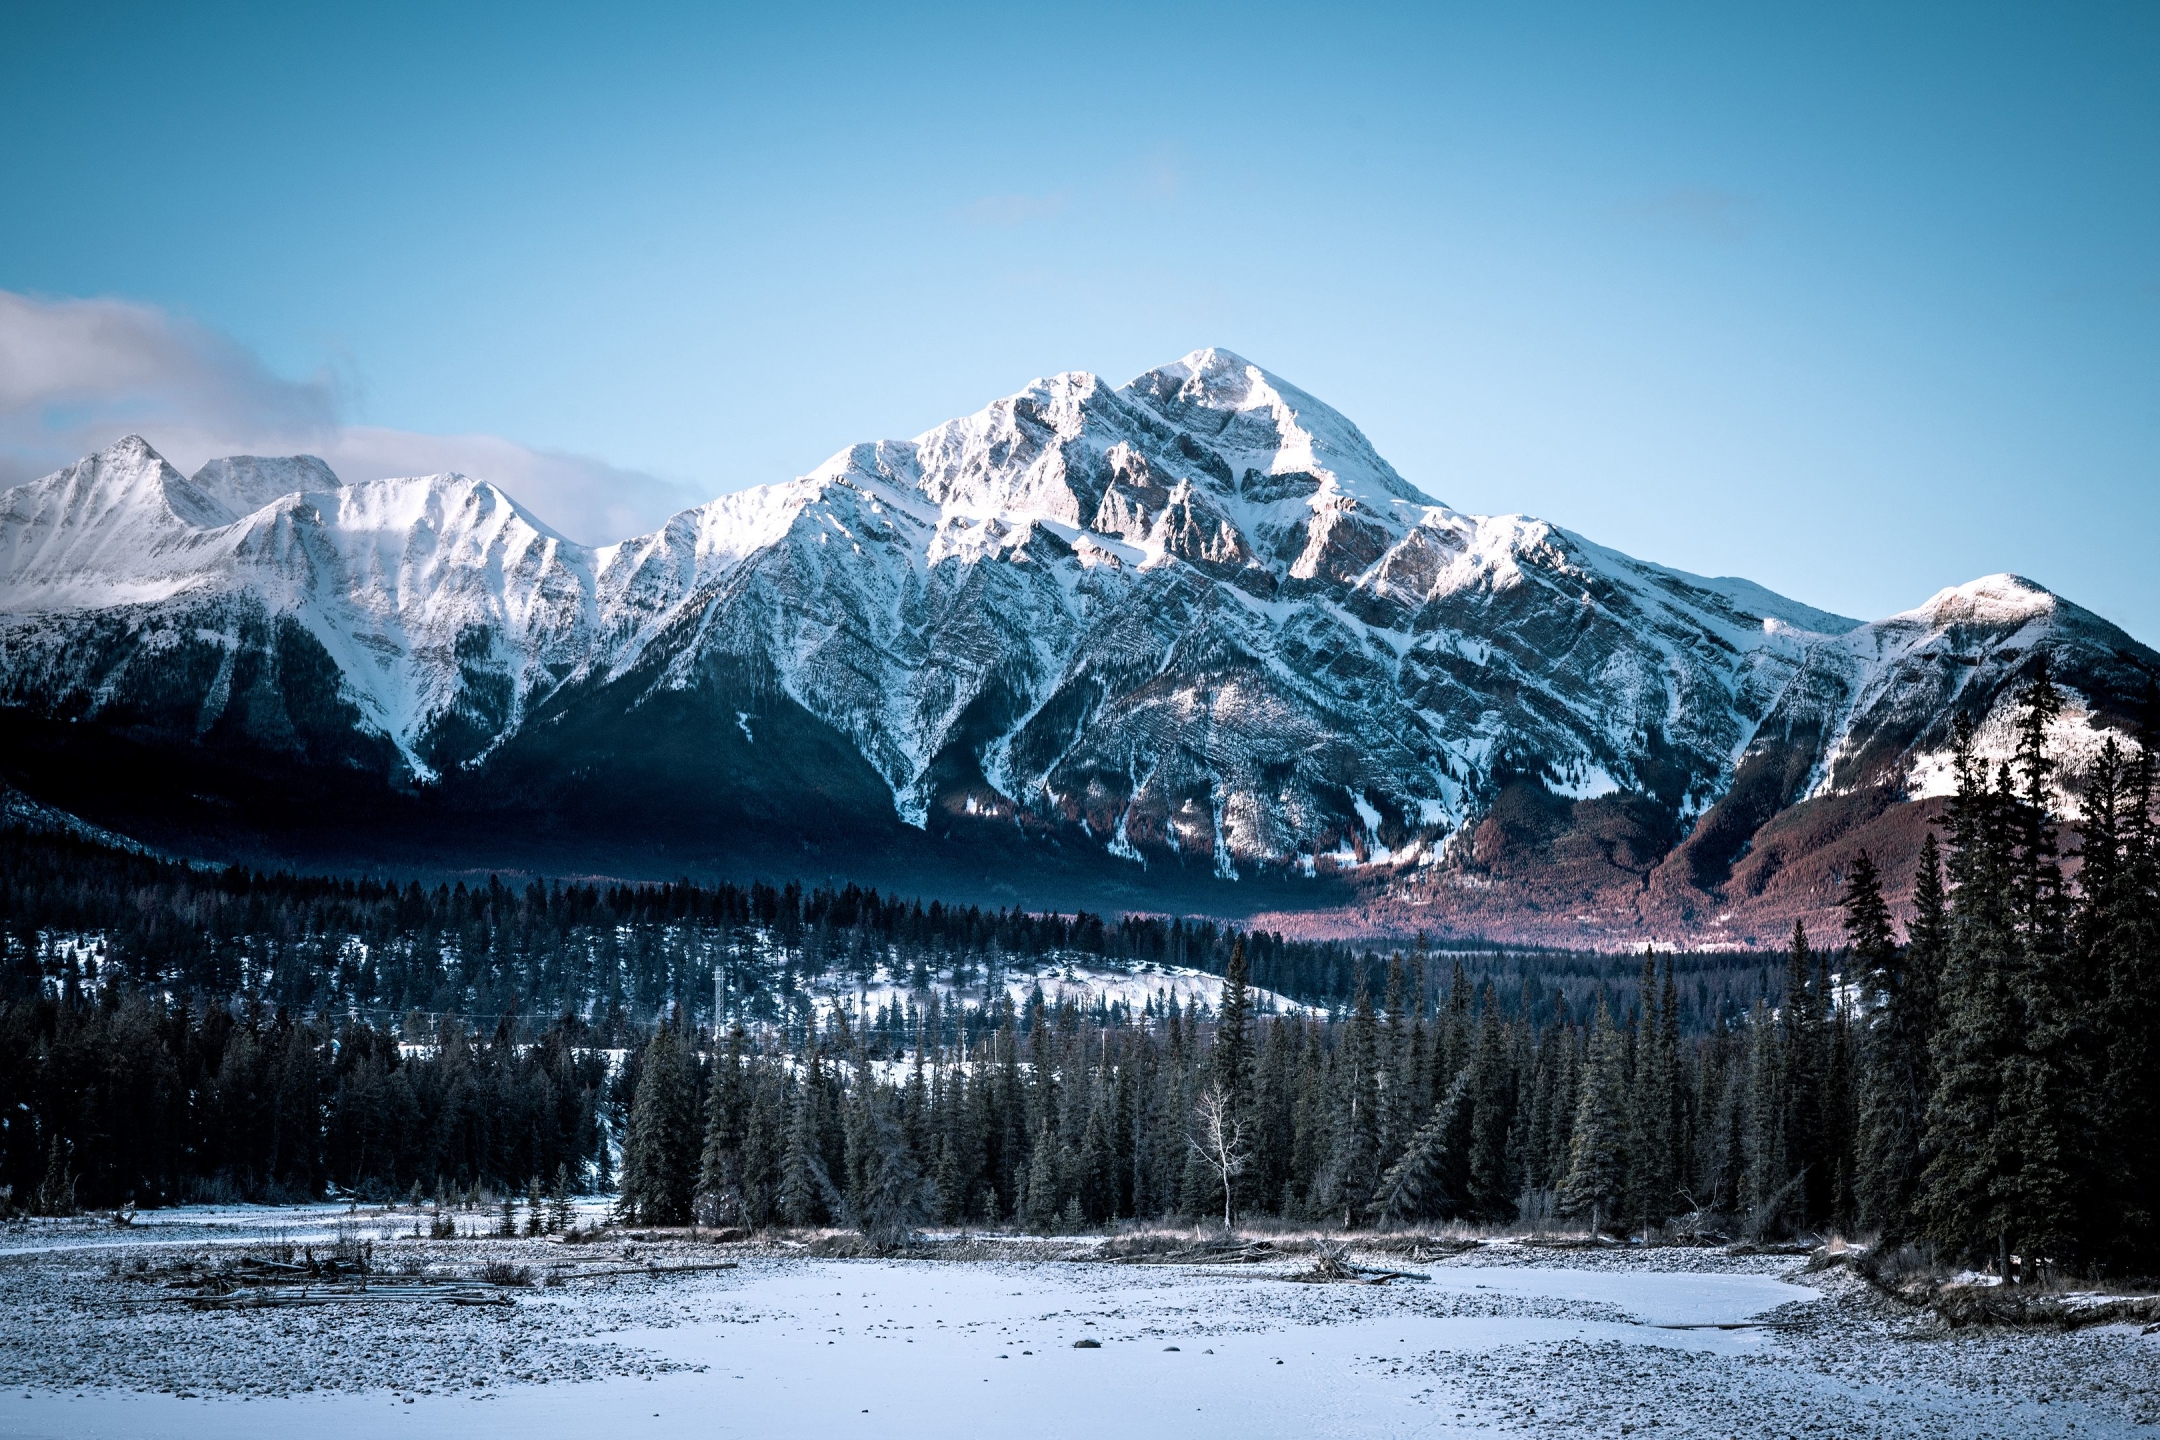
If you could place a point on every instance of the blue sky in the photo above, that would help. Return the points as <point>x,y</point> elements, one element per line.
<point>1855,302</point>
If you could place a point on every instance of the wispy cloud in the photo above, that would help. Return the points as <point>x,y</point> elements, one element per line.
<point>1005,211</point>
<point>1699,210</point>
<point>75,375</point>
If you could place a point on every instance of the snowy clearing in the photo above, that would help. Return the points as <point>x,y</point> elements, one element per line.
<point>1503,1338</point>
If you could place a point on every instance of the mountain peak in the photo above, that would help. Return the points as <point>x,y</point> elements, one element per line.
<point>128,450</point>
<point>1257,420</point>
<point>1991,599</point>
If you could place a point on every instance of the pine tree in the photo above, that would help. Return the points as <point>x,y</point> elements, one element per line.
<point>1482,1134</point>
<point>1963,1186</point>
<point>1230,1058</point>
<point>1925,955</point>
<point>56,1192</point>
<point>560,1215</point>
<point>1043,1199</point>
<point>2124,945</point>
<point>1428,1182</point>
<point>1097,1187</point>
<point>1596,1182</point>
<point>1803,1052</point>
<point>806,1194</point>
<point>1767,1185</point>
<point>1653,1144</point>
<point>2046,1083</point>
<point>1230,1061</point>
<point>897,1199</point>
<point>719,1197</point>
<point>1354,1164</point>
<point>1397,1105</point>
<point>1679,1116</point>
<point>659,1152</point>
<point>1892,1058</point>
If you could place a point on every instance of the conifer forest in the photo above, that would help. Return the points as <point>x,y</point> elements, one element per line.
<point>1985,1085</point>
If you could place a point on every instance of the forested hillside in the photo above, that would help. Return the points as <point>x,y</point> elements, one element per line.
<point>1988,1088</point>
<point>1987,1084</point>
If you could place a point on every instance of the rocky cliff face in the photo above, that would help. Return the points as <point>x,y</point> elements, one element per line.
<point>1189,631</point>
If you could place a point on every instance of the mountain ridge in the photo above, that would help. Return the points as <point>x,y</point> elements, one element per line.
<point>1192,626</point>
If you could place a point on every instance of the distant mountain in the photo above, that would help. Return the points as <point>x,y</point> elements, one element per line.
<point>1112,647</point>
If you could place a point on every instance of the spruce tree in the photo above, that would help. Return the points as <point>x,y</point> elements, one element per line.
<point>1965,1185</point>
<point>1653,1143</point>
<point>2127,959</point>
<point>1803,1052</point>
<point>2045,1094</point>
<point>1354,1164</point>
<point>1397,1118</point>
<point>1096,1164</point>
<point>1768,1182</point>
<point>1482,1136</point>
<point>719,1196</point>
<point>1428,1181</point>
<point>1596,1183</point>
<point>806,1192</point>
<point>1892,1059</point>
<point>2116,931</point>
<point>1230,1058</point>
<point>660,1150</point>
<point>897,1199</point>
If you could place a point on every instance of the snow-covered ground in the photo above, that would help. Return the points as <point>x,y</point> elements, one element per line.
<point>208,1227</point>
<point>1068,980</point>
<point>1502,1339</point>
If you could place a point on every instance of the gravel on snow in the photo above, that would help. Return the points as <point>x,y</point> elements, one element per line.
<point>1505,1338</point>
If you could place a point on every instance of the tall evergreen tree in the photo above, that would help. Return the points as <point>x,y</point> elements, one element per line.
<point>806,1193</point>
<point>719,1196</point>
<point>1893,1056</point>
<point>1653,1142</point>
<point>1428,1181</point>
<point>1804,1053</point>
<point>1354,1165</point>
<point>1231,1057</point>
<point>2045,1087</point>
<point>1596,1183</point>
<point>660,1150</point>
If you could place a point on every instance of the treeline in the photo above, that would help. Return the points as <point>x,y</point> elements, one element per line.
<point>79,916</point>
<point>1989,1088</point>
<point>621,955</point>
<point>125,1101</point>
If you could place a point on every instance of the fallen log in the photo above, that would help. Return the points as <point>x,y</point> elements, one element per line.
<point>1213,1253</point>
<point>265,1298</point>
<point>642,1270</point>
<point>1332,1265</point>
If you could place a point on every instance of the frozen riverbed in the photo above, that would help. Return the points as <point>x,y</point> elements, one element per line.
<point>905,1348</point>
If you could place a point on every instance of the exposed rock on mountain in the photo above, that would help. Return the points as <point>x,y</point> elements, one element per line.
<point>1091,645</point>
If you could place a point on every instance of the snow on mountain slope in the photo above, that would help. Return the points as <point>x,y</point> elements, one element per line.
<point>1882,697</point>
<point>1199,616</point>
<point>1195,618</point>
<point>114,528</point>
<point>426,593</point>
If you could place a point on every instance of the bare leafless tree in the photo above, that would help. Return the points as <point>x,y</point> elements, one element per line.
<point>1220,1141</point>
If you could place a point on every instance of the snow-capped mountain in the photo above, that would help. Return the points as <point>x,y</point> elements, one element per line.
<point>1189,626</point>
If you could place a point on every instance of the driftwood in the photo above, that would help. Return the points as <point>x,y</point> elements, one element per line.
<point>1209,1252</point>
<point>1332,1265</point>
<point>641,1270</point>
<point>459,1292</point>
